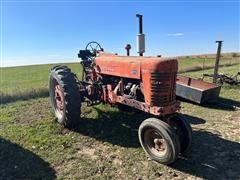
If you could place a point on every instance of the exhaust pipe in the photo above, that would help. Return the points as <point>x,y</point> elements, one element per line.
<point>140,37</point>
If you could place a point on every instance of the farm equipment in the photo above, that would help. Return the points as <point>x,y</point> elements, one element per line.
<point>225,78</point>
<point>196,90</point>
<point>144,83</point>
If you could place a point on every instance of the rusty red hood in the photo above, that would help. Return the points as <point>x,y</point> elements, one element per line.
<point>133,66</point>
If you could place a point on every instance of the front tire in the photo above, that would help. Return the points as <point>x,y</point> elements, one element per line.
<point>64,95</point>
<point>159,141</point>
<point>184,132</point>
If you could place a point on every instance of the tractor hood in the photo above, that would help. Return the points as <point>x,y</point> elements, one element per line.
<point>133,66</point>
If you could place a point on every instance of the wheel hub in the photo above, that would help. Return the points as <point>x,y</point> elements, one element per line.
<point>156,144</point>
<point>59,98</point>
<point>159,144</point>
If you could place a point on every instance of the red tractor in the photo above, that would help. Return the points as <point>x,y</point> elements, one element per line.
<point>144,83</point>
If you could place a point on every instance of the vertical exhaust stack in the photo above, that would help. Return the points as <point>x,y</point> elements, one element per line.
<point>140,37</point>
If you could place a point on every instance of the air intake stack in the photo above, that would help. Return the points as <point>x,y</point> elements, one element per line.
<point>140,37</point>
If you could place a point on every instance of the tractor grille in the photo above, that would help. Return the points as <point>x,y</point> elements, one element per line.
<point>163,87</point>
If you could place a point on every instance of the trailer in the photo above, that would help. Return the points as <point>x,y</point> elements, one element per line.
<point>196,90</point>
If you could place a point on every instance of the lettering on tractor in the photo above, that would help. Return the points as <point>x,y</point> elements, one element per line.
<point>144,83</point>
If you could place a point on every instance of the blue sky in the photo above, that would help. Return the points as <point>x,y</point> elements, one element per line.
<point>38,32</point>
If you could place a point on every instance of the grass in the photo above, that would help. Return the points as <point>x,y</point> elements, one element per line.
<point>196,64</point>
<point>28,78</point>
<point>20,83</point>
<point>230,70</point>
<point>105,143</point>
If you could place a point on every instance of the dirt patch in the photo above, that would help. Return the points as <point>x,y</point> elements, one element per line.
<point>31,113</point>
<point>90,152</point>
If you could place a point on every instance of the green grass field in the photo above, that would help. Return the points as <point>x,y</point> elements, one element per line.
<point>105,143</point>
<point>25,78</point>
<point>185,64</point>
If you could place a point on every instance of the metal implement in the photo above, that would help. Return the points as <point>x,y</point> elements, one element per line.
<point>224,78</point>
<point>195,90</point>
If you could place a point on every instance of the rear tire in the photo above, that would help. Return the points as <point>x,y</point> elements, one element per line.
<point>159,141</point>
<point>64,95</point>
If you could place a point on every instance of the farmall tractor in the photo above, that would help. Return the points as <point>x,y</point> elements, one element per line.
<point>144,83</point>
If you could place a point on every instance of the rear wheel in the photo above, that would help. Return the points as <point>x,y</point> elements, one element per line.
<point>159,141</point>
<point>64,95</point>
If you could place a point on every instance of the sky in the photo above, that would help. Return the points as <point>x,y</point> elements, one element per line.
<point>48,31</point>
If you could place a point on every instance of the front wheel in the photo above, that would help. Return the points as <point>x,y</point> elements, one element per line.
<point>184,132</point>
<point>64,95</point>
<point>159,141</point>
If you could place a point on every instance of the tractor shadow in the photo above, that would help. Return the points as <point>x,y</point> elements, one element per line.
<point>118,128</point>
<point>220,104</point>
<point>224,104</point>
<point>193,120</point>
<point>210,156</point>
<point>19,163</point>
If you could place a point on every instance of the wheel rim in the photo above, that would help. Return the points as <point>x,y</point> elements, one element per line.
<point>59,100</point>
<point>155,143</point>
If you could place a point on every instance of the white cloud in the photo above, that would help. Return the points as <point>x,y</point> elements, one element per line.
<point>176,34</point>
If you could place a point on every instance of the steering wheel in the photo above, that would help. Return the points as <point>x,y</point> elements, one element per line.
<point>93,47</point>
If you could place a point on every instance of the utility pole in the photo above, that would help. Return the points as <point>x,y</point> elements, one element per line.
<point>217,61</point>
